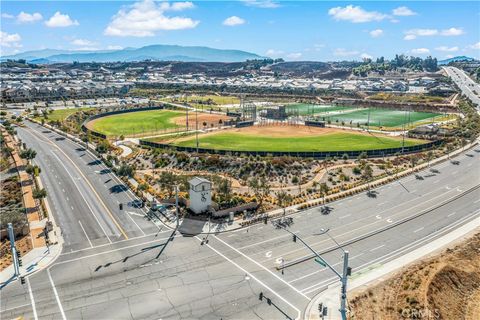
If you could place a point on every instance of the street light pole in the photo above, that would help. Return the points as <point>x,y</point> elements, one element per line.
<point>11,235</point>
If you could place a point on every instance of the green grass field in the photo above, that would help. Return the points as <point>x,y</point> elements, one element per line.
<point>136,122</point>
<point>305,109</point>
<point>338,141</point>
<point>384,117</point>
<point>61,114</point>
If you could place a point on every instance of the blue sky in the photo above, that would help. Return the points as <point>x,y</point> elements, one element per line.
<point>294,30</point>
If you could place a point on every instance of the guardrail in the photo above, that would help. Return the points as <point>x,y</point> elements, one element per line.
<point>376,153</point>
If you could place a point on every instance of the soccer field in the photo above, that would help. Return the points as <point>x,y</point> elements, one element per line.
<point>294,139</point>
<point>384,117</point>
<point>136,122</point>
<point>305,109</point>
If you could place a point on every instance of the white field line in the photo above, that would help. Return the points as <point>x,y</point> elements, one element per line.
<point>56,295</point>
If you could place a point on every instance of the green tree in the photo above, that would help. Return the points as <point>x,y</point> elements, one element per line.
<point>283,199</point>
<point>126,170</point>
<point>28,154</point>
<point>167,181</point>
<point>324,191</point>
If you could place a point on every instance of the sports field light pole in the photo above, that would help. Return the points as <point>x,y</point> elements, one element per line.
<point>343,277</point>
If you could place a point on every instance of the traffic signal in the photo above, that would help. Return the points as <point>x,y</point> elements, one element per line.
<point>320,308</point>
<point>269,301</point>
<point>260,296</point>
<point>19,259</point>
<point>22,280</point>
<point>120,206</point>
<point>294,238</point>
<point>349,271</point>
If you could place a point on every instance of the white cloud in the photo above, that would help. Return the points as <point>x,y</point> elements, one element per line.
<point>274,53</point>
<point>144,18</point>
<point>355,14</point>
<point>233,21</point>
<point>24,17</point>
<point>376,33</point>
<point>294,55</point>
<point>112,47</point>
<point>59,20</point>
<point>10,40</point>
<point>83,42</point>
<point>452,32</point>
<point>340,52</point>
<point>447,49</point>
<point>366,56</point>
<point>420,51</point>
<point>266,4</point>
<point>7,16</point>
<point>403,12</point>
<point>475,46</point>
<point>414,33</point>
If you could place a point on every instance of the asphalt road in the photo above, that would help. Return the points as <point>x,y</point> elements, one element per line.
<point>143,277</point>
<point>469,88</point>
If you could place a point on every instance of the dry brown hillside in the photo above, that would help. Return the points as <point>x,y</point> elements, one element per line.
<point>445,286</point>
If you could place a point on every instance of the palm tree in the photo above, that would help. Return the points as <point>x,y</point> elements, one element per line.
<point>28,154</point>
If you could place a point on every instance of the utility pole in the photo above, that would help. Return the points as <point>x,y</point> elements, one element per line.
<point>11,235</point>
<point>176,206</point>
<point>343,277</point>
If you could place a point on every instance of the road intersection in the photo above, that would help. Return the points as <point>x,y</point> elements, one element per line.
<point>110,267</point>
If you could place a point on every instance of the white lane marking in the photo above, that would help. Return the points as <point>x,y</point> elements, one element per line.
<point>135,223</point>
<point>81,226</point>
<point>56,295</point>
<point>268,240</point>
<point>263,267</point>
<point>68,199</point>
<point>229,236</point>
<point>322,270</point>
<point>135,214</point>
<point>253,277</point>
<point>88,205</point>
<point>63,190</point>
<point>110,251</point>
<point>381,204</point>
<point>376,248</point>
<point>71,207</point>
<point>389,220</point>
<point>30,293</point>
<point>419,229</point>
<point>17,307</point>
<point>268,254</point>
<point>451,214</point>
<point>378,216</point>
<point>477,201</point>
<point>345,216</point>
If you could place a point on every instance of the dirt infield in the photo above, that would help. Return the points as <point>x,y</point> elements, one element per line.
<point>208,118</point>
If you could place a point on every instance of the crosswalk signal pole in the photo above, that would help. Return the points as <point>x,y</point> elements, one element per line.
<point>11,235</point>
<point>343,297</point>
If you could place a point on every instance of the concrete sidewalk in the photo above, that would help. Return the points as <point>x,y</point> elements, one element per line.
<point>36,259</point>
<point>370,276</point>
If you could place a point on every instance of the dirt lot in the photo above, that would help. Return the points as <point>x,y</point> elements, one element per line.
<point>446,286</point>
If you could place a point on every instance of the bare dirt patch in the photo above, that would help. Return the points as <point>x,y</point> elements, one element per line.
<point>446,286</point>
<point>208,118</point>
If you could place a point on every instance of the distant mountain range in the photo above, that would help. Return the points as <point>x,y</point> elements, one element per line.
<point>152,52</point>
<point>454,59</point>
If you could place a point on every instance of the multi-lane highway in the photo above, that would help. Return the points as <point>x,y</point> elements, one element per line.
<point>469,88</point>
<point>137,277</point>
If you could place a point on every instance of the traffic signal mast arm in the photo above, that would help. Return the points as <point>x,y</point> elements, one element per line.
<point>314,252</point>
